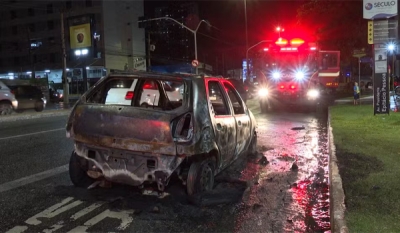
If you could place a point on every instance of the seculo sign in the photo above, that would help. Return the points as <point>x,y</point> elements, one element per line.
<point>378,9</point>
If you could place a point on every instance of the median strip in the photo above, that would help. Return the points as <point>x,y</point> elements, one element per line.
<point>51,113</point>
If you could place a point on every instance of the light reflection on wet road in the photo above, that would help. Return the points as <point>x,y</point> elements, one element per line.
<point>290,193</point>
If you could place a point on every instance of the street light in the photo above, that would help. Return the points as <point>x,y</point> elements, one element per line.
<point>391,47</point>
<point>279,30</point>
<point>247,54</point>
<point>182,25</point>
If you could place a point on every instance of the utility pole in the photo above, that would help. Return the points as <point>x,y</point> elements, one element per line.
<point>148,51</point>
<point>31,59</point>
<point>64,63</point>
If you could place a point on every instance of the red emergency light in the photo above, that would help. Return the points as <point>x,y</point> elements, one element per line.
<point>281,41</point>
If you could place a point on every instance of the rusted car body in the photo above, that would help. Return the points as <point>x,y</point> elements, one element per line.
<point>201,133</point>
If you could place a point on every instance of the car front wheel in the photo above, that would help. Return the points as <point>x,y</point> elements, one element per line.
<point>200,177</point>
<point>78,171</point>
<point>5,108</point>
<point>39,106</point>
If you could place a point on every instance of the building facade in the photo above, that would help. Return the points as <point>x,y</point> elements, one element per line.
<point>173,43</point>
<point>100,36</point>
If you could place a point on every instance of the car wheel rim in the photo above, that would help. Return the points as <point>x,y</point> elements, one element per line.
<point>206,178</point>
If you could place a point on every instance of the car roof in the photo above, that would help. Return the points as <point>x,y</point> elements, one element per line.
<point>156,75</point>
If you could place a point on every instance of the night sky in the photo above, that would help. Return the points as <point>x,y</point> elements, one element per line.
<point>263,17</point>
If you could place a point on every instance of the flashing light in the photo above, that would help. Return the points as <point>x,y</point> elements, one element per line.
<point>391,47</point>
<point>263,92</point>
<point>282,87</point>
<point>289,49</point>
<point>276,75</point>
<point>281,41</point>
<point>313,93</point>
<point>313,48</point>
<point>266,49</point>
<point>299,75</point>
<point>297,41</point>
<point>292,87</point>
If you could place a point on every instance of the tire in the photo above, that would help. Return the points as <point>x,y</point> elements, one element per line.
<point>200,177</point>
<point>77,171</point>
<point>39,106</point>
<point>253,146</point>
<point>5,108</point>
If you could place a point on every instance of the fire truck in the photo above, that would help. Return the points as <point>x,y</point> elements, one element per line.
<point>297,72</point>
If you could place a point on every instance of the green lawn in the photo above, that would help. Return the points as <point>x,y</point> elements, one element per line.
<point>368,152</point>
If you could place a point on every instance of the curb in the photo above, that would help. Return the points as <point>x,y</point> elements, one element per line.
<point>50,113</point>
<point>337,197</point>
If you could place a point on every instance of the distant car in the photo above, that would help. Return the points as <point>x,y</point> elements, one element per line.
<point>195,134</point>
<point>8,102</point>
<point>29,97</point>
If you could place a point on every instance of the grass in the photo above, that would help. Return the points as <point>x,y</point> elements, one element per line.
<point>368,152</point>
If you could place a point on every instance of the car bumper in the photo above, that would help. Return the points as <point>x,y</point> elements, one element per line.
<point>128,167</point>
<point>290,100</point>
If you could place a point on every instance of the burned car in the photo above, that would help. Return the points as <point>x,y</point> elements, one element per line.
<point>196,132</point>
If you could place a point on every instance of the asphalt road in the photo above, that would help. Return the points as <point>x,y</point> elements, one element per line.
<point>282,189</point>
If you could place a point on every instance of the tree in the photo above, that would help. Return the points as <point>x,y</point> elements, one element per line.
<point>338,25</point>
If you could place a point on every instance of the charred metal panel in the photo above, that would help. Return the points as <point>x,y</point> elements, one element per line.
<point>122,166</point>
<point>124,127</point>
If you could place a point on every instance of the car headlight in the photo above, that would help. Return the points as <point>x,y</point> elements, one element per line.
<point>263,92</point>
<point>276,75</point>
<point>299,75</point>
<point>313,93</point>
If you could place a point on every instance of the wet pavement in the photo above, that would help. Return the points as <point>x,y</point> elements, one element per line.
<point>282,189</point>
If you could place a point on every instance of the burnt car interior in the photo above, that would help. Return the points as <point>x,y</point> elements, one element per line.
<point>219,102</point>
<point>147,93</point>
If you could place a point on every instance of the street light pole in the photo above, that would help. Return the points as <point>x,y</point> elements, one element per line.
<point>186,27</point>
<point>247,51</point>
<point>247,42</point>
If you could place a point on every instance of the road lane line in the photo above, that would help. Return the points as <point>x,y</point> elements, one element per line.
<point>32,178</point>
<point>86,210</point>
<point>29,134</point>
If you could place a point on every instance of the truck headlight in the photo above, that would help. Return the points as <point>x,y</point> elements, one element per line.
<point>263,92</point>
<point>276,75</point>
<point>313,93</point>
<point>299,75</point>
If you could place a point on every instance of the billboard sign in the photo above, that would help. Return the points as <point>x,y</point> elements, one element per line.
<point>80,36</point>
<point>379,9</point>
<point>381,80</point>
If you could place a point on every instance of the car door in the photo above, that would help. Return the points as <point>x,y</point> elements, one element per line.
<point>242,119</point>
<point>24,97</point>
<point>223,121</point>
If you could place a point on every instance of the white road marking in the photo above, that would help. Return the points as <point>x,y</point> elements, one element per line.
<point>17,229</point>
<point>30,134</point>
<point>124,216</point>
<point>86,210</point>
<point>33,178</point>
<point>53,211</point>
<point>54,227</point>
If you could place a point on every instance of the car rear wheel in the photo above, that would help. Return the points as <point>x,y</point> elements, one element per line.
<point>200,177</point>
<point>39,106</point>
<point>78,171</point>
<point>253,145</point>
<point>5,108</point>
